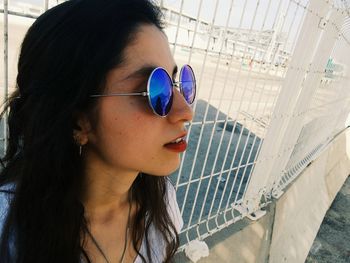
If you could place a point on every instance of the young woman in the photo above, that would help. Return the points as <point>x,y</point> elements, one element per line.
<point>95,125</point>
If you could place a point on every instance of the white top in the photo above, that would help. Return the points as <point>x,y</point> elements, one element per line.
<point>157,244</point>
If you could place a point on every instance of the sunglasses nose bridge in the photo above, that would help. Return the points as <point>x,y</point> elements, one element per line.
<point>177,84</point>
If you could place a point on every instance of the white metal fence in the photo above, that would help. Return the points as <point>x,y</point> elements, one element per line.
<point>273,90</point>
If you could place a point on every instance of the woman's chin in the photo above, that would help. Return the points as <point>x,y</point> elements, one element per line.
<point>165,170</point>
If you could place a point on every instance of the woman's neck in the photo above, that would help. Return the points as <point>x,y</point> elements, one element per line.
<point>106,192</point>
<point>109,211</point>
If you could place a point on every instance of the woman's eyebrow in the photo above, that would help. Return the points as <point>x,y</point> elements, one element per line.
<point>145,71</point>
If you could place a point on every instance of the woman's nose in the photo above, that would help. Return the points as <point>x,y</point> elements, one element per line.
<point>181,110</point>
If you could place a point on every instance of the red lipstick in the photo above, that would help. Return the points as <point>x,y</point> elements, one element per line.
<point>177,146</point>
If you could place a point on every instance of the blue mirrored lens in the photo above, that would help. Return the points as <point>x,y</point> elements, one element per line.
<point>188,83</point>
<point>160,91</point>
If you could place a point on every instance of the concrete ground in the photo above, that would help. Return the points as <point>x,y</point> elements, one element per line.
<point>332,243</point>
<point>245,241</point>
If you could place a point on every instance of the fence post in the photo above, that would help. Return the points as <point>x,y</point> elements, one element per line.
<point>308,89</point>
<point>292,86</point>
<point>343,105</point>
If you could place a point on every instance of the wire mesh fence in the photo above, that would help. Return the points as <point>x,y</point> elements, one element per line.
<point>273,80</point>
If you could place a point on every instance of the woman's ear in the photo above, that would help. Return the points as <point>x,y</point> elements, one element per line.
<point>81,129</point>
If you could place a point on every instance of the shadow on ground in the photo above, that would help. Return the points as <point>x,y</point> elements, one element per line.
<point>220,153</point>
<point>332,243</point>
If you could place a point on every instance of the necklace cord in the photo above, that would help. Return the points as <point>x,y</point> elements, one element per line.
<point>98,246</point>
<point>126,234</point>
<point>125,239</point>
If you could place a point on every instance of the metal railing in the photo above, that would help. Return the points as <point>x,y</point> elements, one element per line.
<point>273,80</point>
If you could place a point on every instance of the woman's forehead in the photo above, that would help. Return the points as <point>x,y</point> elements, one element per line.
<point>149,47</point>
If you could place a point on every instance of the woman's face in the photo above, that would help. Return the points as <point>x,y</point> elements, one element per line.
<point>129,136</point>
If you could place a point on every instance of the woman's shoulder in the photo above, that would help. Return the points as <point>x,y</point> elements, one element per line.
<point>7,188</point>
<point>6,195</point>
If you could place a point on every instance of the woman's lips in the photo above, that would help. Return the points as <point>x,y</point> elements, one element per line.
<point>177,146</point>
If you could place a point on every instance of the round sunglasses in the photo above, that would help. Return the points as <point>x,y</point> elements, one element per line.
<point>160,89</point>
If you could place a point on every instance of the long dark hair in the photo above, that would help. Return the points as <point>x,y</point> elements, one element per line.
<point>65,57</point>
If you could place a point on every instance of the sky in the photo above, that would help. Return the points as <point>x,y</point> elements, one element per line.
<point>238,17</point>
<point>255,14</point>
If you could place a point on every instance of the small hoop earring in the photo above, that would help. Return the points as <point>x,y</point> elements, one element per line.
<point>80,149</point>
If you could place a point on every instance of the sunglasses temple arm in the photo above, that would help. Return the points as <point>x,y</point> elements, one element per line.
<point>144,94</point>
